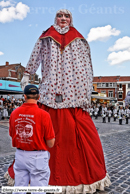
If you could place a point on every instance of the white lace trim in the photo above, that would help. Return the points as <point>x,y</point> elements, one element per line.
<point>10,180</point>
<point>61,30</point>
<point>84,189</point>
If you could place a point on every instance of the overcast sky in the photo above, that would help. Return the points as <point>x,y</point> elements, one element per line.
<point>104,23</point>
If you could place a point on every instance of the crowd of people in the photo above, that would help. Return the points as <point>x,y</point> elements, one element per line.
<point>117,112</point>
<point>7,105</point>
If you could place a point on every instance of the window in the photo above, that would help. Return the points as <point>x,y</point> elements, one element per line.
<point>110,94</point>
<point>114,85</point>
<point>98,84</point>
<point>106,84</point>
<point>120,85</point>
<point>103,91</point>
<point>9,73</point>
<point>120,95</point>
<point>19,75</point>
<point>110,84</point>
<point>31,77</point>
<point>36,78</point>
<point>103,85</point>
<point>128,85</point>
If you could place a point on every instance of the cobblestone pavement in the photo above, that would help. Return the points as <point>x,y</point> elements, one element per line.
<point>115,140</point>
<point>5,140</point>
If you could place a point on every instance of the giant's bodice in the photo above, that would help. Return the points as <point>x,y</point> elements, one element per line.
<point>67,73</point>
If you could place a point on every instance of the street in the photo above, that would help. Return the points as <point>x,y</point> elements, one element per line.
<point>115,140</point>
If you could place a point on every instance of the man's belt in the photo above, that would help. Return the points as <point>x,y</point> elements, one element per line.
<point>30,150</point>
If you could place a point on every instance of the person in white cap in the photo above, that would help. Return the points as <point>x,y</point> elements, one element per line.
<point>65,92</point>
<point>109,113</point>
<point>127,114</point>
<point>121,114</point>
<point>96,112</point>
<point>104,111</point>
<point>115,113</point>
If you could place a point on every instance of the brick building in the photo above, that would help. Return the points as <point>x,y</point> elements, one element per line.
<point>113,86</point>
<point>14,72</point>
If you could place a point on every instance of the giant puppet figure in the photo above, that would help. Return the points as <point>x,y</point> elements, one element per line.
<point>77,160</point>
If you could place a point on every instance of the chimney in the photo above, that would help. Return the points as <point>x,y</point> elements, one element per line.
<point>7,63</point>
<point>118,77</point>
<point>99,78</point>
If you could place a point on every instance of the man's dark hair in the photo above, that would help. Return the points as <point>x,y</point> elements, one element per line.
<point>32,96</point>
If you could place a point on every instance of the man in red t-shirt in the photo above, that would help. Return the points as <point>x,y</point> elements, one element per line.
<point>32,132</point>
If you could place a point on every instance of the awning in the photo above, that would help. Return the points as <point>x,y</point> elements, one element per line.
<point>102,97</point>
<point>2,92</point>
<point>10,87</point>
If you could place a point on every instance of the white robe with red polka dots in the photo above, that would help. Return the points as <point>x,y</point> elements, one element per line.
<point>68,73</point>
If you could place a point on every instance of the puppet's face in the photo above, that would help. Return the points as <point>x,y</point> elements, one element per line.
<point>63,19</point>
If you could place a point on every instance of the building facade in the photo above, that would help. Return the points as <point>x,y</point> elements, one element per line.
<point>14,72</point>
<point>113,86</point>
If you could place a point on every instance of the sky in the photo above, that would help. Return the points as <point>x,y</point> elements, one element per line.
<point>103,23</point>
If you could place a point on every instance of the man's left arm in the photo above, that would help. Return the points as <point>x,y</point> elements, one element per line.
<point>50,143</point>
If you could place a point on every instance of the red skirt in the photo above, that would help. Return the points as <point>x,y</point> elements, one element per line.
<point>77,156</point>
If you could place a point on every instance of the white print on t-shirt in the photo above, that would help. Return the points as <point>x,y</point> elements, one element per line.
<point>24,115</point>
<point>19,119</point>
<point>30,120</point>
<point>24,129</point>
